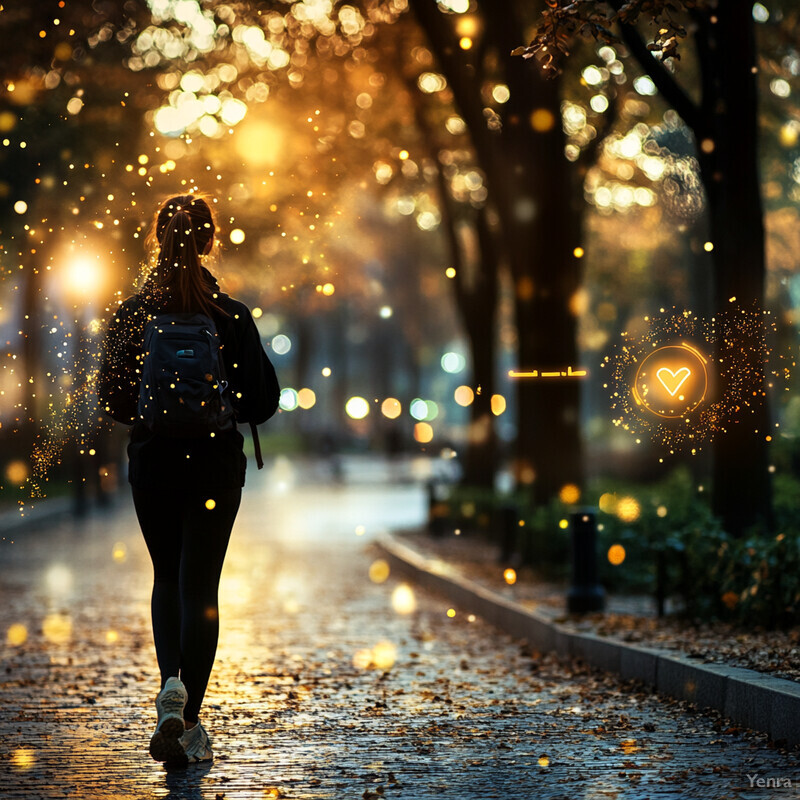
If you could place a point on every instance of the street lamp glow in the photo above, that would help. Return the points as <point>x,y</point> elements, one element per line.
<point>260,143</point>
<point>82,276</point>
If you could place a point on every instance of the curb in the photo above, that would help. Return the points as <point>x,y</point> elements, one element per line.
<point>749,698</point>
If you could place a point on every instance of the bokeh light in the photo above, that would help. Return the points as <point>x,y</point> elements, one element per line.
<point>498,404</point>
<point>356,408</point>
<point>17,471</point>
<point>379,570</point>
<point>23,758</point>
<point>384,654</point>
<point>418,409</point>
<point>306,398</point>
<point>288,400</point>
<point>453,362</point>
<point>57,628</point>
<point>391,408</point>
<point>628,509</point>
<point>16,634</point>
<point>403,599</point>
<point>569,494</point>
<point>616,554</point>
<point>464,395</point>
<point>59,579</point>
<point>423,432</point>
<point>542,120</point>
<point>119,552</point>
<point>608,503</point>
<point>281,344</point>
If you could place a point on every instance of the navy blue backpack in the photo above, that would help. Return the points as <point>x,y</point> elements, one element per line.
<point>184,390</point>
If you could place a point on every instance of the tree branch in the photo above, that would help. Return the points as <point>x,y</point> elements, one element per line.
<point>705,57</point>
<point>443,42</point>
<point>666,84</point>
<point>446,201</point>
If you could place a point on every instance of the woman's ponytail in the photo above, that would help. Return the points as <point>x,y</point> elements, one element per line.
<point>183,228</point>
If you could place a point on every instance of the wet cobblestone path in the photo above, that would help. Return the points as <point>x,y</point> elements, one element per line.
<point>321,688</point>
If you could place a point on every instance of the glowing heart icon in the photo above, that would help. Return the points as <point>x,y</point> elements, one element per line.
<point>672,381</point>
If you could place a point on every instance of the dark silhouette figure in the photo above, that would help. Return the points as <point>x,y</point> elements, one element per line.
<point>186,486</point>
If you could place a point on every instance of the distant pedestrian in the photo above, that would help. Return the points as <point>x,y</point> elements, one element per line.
<point>186,462</point>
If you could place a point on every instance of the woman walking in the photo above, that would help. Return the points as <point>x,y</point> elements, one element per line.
<point>182,364</point>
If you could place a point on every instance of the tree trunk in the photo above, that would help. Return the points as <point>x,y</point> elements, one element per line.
<point>529,184</point>
<point>541,225</point>
<point>480,316</point>
<point>727,144</point>
<point>476,290</point>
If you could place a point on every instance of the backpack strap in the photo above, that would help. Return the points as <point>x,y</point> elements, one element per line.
<point>256,445</point>
<point>253,428</point>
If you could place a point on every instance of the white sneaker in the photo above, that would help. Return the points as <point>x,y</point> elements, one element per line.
<point>197,744</point>
<point>165,743</point>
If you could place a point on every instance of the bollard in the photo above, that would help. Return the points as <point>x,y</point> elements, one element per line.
<point>437,508</point>
<point>509,526</point>
<point>585,593</point>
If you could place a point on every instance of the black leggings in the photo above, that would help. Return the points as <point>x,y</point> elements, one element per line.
<point>187,543</point>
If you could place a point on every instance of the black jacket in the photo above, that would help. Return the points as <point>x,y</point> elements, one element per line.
<point>208,462</point>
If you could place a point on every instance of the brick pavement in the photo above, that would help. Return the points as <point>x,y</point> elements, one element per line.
<point>295,709</point>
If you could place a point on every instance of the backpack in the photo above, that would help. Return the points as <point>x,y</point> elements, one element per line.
<point>184,390</point>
